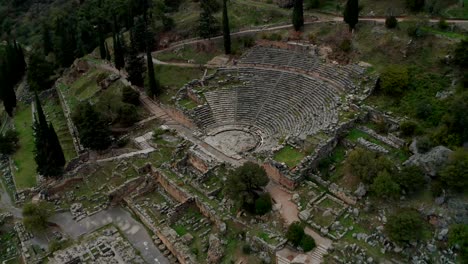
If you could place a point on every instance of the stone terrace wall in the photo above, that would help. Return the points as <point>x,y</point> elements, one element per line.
<point>178,115</point>
<point>197,162</point>
<point>64,184</point>
<point>170,187</point>
<point>279,176</point>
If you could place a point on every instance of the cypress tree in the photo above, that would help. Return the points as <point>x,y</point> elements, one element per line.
<point>46,40</point>
<point>226,30</point>
<point>351,13</point>
<point>102,47</point>
<point>208,24</point>
<point>57,157</point>
<point>119,56</point>
<point>154,86</point>
<point>135,67</point>
<point>298,15</point>
<point>48,152</point>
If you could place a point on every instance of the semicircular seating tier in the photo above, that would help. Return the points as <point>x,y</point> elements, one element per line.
<point>271,103</point>
<point>340,76</point>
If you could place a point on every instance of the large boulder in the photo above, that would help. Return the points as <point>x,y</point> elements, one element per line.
<point>432,161</point>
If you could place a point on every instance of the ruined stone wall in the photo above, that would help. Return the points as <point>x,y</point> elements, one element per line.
<point>197,162</point>
<point>278,176</point>
<point>179,210</point>
<point>209,213</point>
<point>64,184</point>
<point>171,188</point>
<point>182,257</point>
<point>77,161</point>
<point>178,115</point>
<point>119,193</point>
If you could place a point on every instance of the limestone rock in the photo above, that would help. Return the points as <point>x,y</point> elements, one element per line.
<point>432,161</point>
<point>215,251</point>
<point>361,190</point>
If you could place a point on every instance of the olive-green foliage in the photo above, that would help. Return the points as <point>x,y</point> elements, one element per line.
<point>405,226</point>
<point>307,243</point>
<point>458,235</point>
<point>394,80</point>
<point>298,237</point>
<point>40,73</point>
<point>298,15</point>
<point>92,127</point>
<point>345,45</point>
<point>127,114</point>
<point>409,128</point>
<point>9,142</point>
<point>366,164</point>
<point>455,121</point>
<point>263,204</point>
<point>391,22</point>
<point>313,4</point>
<point>455,173</point>
<point>411,179</point>
<point>295,233</point>
<point>130,96</point>
<point>244,182</point>
<point>415,5</point>
<point>384,186</point>
<point>461,53</point>
<point>436,188</point>
<point>35,216</point>
<point>424,144</point>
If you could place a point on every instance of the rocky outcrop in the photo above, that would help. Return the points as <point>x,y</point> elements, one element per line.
<point>432,161</point>
<point>215,251</point>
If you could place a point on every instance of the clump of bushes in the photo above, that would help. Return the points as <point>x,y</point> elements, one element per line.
<point>405,226</point>
<point>298,237</point>
<point>391,22</point>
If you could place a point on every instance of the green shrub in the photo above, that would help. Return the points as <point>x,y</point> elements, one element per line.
<point>436,188</point>
<point>272,37</point>
<point>130,96</point>
<point>458,236</point>
<point>313,4</point>
<point>366,164</point>
<point>307,243</point>
<point>384,186</point>
<point>410,179</point>
<point>442,24</point>
<point>263,204</point>
<point>246,249</point>
<point>345,45</point>
<point>424,144</point>
<point>461,54</point>
<point>391,22</point>
<point>455,172</point>
<point>405,226</point>
<point>157,133</point>
<point>295,233</point>
<point>381,127</point>
<point>394,80</point>
<point>415,5</point>
<point>409,128</point>
<point>9,142</point>
<point>127,114</point>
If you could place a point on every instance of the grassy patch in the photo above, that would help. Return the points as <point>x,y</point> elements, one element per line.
<point>86,86</point>
<point>187,103</point>
<point>172,78</point>
<point>25,175</point>
<point>289,155</point>
<point>448,34</point>
<point>187,53</point>
<point>180,230</point>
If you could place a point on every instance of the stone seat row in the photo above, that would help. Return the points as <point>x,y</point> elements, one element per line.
<point>342,75</point>
<point>276,102</point>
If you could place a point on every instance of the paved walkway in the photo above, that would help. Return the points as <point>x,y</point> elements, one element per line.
<point>133,230</point>
<point>290,213</point>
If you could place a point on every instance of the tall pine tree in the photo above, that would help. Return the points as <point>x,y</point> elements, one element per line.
<point>102,47</point>
<point>226,30</point>
<point>298,15</point>
<point>351,13</point>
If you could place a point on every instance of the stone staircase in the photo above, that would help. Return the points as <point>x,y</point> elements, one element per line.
<point>314,257</point>
<point>317,254</point>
